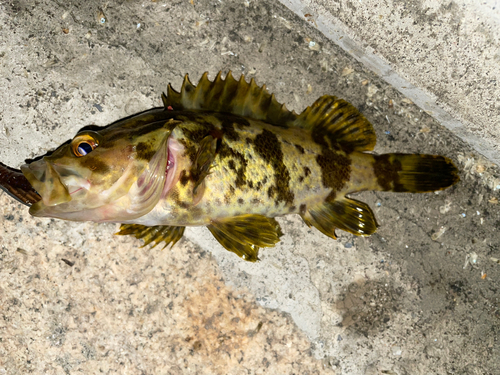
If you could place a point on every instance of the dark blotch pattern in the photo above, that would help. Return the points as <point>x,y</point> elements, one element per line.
<point>302,209</point>
<point>268,147</point>
<point>190,149</point>
<point>184,205</point>
<point>386,172</point>
<point>335,169</point>
<point>229,195</point>
<point>270,192</point>
<point>227,152</point>
<point>184,178</point>
<point>198,132</point>
<point>230,133</point>
<point>331,197</point>
<point>228,129</point>
<point>95,165</point>
<point>145,151</point>
<point>300,148</point>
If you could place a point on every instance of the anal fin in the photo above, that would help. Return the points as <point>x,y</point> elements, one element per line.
<point>347,214</point>
<point>245,234</point>
<point>157,233</point>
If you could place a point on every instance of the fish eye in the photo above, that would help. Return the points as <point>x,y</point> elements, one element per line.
<point>84,148</point>
<point>83,144</point>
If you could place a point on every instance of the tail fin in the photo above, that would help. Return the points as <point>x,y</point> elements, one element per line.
<point>414,173</point>
<point>410,173</point>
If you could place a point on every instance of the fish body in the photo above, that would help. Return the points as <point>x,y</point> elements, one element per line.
<point>226,155</point>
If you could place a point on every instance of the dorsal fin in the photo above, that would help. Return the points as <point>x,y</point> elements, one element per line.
<point>229,96</point>
<point>333,120</point>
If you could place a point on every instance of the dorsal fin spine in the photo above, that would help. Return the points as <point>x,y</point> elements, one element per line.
<point>247,99</point>
<point>332,121</point>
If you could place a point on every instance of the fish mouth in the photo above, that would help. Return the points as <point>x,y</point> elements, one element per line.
<point>44,178</point>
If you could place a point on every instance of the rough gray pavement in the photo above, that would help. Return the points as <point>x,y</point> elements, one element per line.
<point>74,298</point>
<point>443,55</point>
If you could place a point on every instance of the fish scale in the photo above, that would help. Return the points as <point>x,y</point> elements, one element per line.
<point>274,181</point>
<point>224,154</point>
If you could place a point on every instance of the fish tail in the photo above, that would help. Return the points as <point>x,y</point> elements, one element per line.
<point>389,172</point>
<point>414,173</point>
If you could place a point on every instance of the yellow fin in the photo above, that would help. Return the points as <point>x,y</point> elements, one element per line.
<point>347,214</point>
<point>229,96</point>
<point>157,233</point>
<point>331,120</point>
<point>334,120</point>
<point>323,224</point>
<point>243,235</point>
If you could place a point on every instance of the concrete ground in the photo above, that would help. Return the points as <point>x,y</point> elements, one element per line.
<point>443,55</point>
<point>76,299</point>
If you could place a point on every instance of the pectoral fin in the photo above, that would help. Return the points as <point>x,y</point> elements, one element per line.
<point>157,233</point>
<point>245,234</point>
<point>203,163</point>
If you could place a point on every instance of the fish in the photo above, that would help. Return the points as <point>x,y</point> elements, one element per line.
<point>224,154</point>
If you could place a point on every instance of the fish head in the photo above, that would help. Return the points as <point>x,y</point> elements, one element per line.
<point>114,174</point>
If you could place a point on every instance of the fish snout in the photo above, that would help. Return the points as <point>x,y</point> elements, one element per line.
<point>44,178</point>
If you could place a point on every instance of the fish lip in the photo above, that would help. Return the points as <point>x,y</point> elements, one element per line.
<point>77,190</point>
<point>30,171</point>
<point>30,176</point>
<point>37,174</point>
<point>78,187</point>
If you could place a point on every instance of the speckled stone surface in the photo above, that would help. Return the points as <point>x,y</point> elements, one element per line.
<point>111,307</point>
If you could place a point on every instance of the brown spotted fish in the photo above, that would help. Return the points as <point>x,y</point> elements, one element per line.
<point>226,155</point>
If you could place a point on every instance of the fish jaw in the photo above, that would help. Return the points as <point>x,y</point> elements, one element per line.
<point>44,178</point>
<point>56,184</point>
